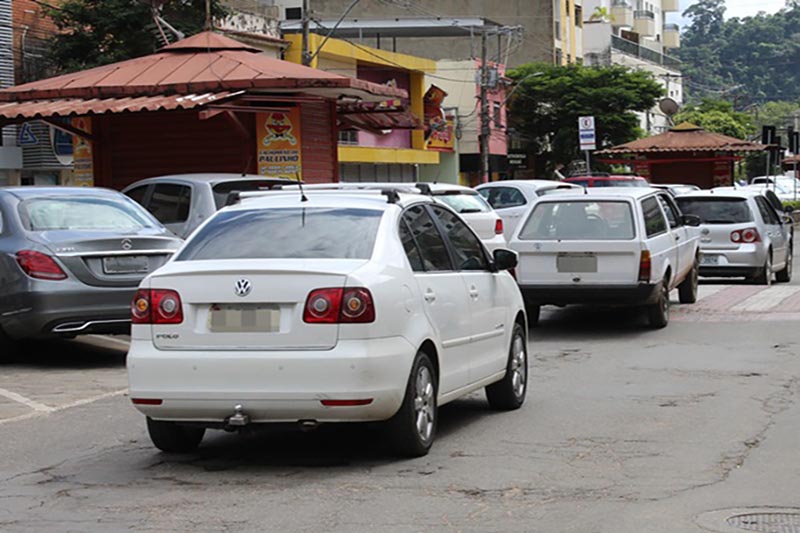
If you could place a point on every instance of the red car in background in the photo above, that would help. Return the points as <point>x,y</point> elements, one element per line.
<point>608,181</point>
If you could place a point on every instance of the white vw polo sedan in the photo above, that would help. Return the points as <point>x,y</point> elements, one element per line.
<point>345,306</point>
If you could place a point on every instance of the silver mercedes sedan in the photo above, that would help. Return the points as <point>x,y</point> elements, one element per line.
<point>71,259</point>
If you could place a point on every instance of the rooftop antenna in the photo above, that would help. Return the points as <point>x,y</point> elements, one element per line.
<point>303,197</point>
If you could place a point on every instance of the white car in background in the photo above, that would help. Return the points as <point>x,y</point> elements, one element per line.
<point>332,306</point>
<point>607,246</point>
<point>742,235</point>
<point>463,200</point>
<point>510,199</point>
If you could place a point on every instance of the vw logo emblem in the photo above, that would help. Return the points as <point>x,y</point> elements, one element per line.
<point>243,287</point>
<point>127,244</point>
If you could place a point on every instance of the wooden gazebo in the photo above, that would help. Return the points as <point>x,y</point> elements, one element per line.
<point>684,154</point>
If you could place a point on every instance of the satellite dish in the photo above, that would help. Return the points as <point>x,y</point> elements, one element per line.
<point>669,107</point>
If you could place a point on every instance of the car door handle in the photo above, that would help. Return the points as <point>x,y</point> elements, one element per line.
<point>677,237</point>
<point>430,296</point>
<point>473,293</point>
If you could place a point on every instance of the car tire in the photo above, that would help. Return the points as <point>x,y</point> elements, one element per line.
<point>412,429</point>
<point>8,349</point>
<point>785,275</point>
<point>509,393</point>
<point>687,290</point>
<point>174,438</point>
<point>533,311</point>
<point>658,312</point>
<point>764,274</point>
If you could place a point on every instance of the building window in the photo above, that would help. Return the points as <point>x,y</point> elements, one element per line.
<point>498,118</point>
<point>349,137</point>
<point>579,16</point>
<point>294,13</point>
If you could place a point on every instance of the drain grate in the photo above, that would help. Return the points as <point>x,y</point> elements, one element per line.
<point>767,522</point>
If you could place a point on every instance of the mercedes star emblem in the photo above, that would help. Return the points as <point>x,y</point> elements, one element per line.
<point>243,287</point>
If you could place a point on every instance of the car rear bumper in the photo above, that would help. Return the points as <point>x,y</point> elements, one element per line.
<point>590,294</point>
<point>47,309</point>
<point>203,386</point>
<point>744,261</point>
<point>495,243</point>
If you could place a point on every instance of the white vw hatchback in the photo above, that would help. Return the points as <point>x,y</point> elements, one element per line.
<point>346,306</point>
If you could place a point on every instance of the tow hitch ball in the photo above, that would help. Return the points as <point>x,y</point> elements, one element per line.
<point>238,419</point>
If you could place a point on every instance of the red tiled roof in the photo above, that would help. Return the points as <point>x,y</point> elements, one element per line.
<point>206,62</point>
<point>685,137</point>
<point>65,107</point>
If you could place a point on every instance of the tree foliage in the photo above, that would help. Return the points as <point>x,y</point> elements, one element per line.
<point>548,100</point>
<point>717,116</point>
<point>753,59</point>
<point>98,32</point>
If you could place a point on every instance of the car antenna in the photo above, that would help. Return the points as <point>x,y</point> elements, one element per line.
<point>303,197</point>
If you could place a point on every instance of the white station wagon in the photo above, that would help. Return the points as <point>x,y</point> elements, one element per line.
<point>342,306</point>
<point>610,246</point>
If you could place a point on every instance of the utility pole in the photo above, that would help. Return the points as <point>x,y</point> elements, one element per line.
<point>485,126</point>
<point>305,54</point>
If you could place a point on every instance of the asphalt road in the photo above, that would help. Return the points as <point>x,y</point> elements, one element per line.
<point>625,430</point>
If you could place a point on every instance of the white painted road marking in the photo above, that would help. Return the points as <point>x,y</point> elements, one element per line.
<point>51,410</point>
<point>33,404</point>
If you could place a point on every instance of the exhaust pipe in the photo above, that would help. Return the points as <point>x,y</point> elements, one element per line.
<point>308,425</point>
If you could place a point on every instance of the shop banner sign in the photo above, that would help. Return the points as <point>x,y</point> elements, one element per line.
<point>82,157</point>
<point>279,144</point>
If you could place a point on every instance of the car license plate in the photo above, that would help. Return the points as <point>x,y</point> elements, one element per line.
<point>255,318</point>
<point>574,263</point>
<point>126,264</point>
<point>709,260</point>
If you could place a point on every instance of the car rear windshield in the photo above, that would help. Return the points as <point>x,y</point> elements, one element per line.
<point>579,220</point>
<point>87,214</point>
<point>286,233</point>
<point>464,202</point>
<point>633,182</point>
<point>221,190</point>
<point>716,210</point>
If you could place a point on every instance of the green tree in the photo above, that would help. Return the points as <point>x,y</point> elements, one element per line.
<point>717,116</point>
<point>98,32</point>
<point>779,114</point>
<point>549,99</point>
<point>753,59</point>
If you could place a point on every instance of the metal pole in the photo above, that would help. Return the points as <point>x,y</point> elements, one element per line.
<point>305,55</point>
<point>485,131</point>
<point>588,164</point>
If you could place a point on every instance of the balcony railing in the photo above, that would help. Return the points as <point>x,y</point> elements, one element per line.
<point>672,27</point>
<point>631,48</point>
<point>644,14</point>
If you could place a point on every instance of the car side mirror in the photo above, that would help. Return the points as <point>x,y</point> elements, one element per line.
<point>691,220</point>
<point>505,259</point>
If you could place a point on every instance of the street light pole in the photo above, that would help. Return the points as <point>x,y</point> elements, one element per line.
<point>485,128</point>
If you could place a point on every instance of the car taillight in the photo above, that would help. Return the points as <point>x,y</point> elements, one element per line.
<point>156,306</point>
<point>645,266</point>
<point>339,306</point>
<point>749,235</point>
<point>498,226</point>
<point>40,266</point>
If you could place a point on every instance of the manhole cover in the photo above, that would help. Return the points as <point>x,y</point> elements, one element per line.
<point>767,522</point>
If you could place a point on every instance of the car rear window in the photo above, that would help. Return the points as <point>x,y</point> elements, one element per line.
<point>579,220</point>
<point>716,210</point>
<point>464,202</point>
<point>633,182</point>
<point>84,214</point>
<point>223,189</point>
<point>286,233</point>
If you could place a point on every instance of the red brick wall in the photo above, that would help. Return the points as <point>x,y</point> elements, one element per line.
<point>29,15</point>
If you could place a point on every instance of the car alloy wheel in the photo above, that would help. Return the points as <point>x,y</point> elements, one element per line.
<point>519,367</point>
<point>424,404</point>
